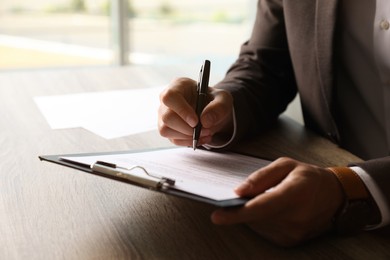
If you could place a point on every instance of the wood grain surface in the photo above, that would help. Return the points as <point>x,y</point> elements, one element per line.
<point>52,212</point>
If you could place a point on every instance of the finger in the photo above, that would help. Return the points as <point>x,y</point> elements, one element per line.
<point>180,97</point>
<point>266,177</point>
<point>189,142</point>
<point>171,125</point>
<point>257,209</point>
<point>173,134</point>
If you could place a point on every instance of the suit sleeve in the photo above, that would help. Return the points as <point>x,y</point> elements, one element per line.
<point>262,80</point>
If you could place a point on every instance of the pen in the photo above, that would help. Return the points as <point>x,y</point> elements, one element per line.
<point>202,88</point>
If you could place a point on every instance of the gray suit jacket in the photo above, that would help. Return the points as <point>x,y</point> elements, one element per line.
<point>292,49</point>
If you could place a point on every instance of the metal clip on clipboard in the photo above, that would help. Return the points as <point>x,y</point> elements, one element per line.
<point>149,180</point>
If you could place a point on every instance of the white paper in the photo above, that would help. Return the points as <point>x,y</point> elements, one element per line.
<point>204,173</point>
<point>109,114</point>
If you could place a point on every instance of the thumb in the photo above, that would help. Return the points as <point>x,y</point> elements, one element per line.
<point>219,110</point>
<point>266,177</point>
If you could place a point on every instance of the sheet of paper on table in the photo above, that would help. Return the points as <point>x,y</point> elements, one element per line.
<point>109,114</point>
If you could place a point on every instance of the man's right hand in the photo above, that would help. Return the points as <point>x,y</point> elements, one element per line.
<point>177,117</point>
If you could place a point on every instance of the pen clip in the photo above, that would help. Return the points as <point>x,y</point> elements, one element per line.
<point>150,180</point>
<point>204,77</point>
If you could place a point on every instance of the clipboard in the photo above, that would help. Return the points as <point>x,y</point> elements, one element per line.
<point>161,184</point>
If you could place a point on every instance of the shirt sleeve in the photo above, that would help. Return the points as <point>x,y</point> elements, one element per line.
<point>376,195</point>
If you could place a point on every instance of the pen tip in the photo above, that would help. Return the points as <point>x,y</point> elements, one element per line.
<point>194,144</point>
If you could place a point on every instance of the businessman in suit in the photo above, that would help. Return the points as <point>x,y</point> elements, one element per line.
<point>335,54</point>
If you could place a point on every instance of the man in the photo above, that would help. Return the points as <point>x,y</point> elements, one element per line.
<point>336,54</point>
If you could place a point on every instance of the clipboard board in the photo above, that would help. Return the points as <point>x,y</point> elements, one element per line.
<point>164,187</point>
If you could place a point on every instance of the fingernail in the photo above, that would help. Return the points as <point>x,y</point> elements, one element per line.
<point>243,188</point>
<point>216,217</point>
<point>192,121</point>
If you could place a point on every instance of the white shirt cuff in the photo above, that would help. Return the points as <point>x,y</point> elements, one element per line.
<point>377,196</point>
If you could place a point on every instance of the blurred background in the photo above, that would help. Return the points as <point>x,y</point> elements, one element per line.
<point>49,34</point>
<point>69,33</point>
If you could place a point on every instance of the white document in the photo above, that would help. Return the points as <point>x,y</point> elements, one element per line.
<point>109,114</point>
<point>204,173</point>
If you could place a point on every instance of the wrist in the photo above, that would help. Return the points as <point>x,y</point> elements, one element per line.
<point>358,209</point>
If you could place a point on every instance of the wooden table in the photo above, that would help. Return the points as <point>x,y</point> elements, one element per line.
<point>53,212</point>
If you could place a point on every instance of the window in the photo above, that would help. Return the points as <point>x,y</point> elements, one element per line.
<point>57,33</point>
